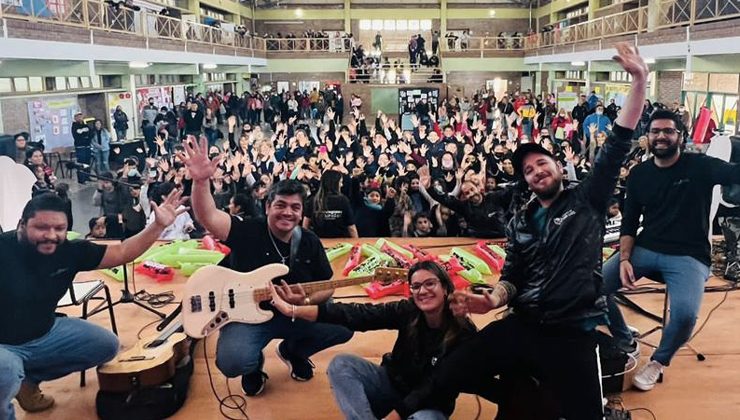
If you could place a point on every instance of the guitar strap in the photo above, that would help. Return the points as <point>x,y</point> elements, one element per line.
<point>295,243</point>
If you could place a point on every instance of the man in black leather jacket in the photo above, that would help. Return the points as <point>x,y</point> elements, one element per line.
<point>554,248</point>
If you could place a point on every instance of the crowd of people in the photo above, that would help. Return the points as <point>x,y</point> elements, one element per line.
<point>450,175</point>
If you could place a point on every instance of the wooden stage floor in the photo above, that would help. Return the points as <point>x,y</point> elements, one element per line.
<point>691,390</point>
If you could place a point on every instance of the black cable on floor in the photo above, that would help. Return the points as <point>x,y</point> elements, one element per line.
<point>238,401</point>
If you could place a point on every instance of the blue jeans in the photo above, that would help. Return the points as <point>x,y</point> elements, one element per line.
<point>72,345</point>
<point>121,134</point>
<point>101,158</point>
<point>239,349</point>
<point>363,390</point>
<point>684,277</point>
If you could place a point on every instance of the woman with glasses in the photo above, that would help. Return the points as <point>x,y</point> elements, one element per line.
<point>427,332</point>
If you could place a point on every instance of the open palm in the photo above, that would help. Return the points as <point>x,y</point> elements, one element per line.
<point>166,213</point>
<point>196,159</point>
<point>628,57</point>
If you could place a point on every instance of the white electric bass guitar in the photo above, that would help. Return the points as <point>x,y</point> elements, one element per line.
<point>216,296</point>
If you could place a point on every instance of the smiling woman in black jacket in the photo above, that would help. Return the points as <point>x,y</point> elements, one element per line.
<point>427,332</point>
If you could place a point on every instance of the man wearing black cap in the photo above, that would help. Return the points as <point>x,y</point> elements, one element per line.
<point>548,280</point>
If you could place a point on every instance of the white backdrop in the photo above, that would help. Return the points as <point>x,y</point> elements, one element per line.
<point>16,182</point>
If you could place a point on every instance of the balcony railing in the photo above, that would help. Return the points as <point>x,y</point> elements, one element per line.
<point>483,45</point>
<point>96,15</point>
<point>672,13</point>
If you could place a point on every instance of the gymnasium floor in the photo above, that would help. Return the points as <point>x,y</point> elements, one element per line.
<point>691,390</point>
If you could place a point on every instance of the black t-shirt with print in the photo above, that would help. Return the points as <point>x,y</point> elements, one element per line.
<point>252,248</point>
<point>333,221</point>
<point>31,284</point>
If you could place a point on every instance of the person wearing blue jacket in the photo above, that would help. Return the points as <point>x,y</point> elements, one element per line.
<point>597,118</point>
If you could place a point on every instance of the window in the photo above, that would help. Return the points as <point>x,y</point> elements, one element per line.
<point>389,25</point>
<point>366,24</point>
<point>402,25</point>
<point>6,84</point>
<point>395,25</point>
<point>36,84</point>
<point>73,82</point>
<point>85,82</point>
<point>21,84</point>
<point>413,25</point>
<point>377,24</point>
<point>426,24</point>
<point>60,83</point>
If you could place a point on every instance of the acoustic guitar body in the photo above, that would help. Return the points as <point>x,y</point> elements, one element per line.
<point>216,296</point>
<point>143,365</point>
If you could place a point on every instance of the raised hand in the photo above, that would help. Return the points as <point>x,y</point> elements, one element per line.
<point>592,128</point>
<point>166,213</point>
<point>569,154</point>
<point>231,121</point>
<point>414,120</point>
<point>424,149</point>
<point>464,303</point>
<point>196,159</point>
<point>628,57</point>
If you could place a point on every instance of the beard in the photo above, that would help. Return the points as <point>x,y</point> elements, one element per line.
<point>549,192</point>
<point>670,151</point>
<point>32,249</point>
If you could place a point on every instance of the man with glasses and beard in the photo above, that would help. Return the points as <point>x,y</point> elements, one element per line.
<point>673,193</point>
<point>549,279</point>
<point>39,264</point>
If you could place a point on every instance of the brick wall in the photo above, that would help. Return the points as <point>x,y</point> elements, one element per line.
<point>467,82</point>
<point>669,86</point>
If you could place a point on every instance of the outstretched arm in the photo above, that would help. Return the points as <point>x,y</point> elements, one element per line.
<point>201,169</point>
<point>606,165</point>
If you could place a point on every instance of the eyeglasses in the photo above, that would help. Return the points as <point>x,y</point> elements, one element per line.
<point>430,284</point>
<point>667,131</point>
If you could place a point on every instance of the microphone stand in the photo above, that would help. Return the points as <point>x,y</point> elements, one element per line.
<point>126,295</point>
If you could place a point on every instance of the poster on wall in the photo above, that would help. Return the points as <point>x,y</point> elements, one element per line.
<point>407,100</point>
<point>618,92</point>
<point>50,120</point>
<point>162,96</point>
<point>567,100</point>
<point>178,94</point>
<point>126,101</point>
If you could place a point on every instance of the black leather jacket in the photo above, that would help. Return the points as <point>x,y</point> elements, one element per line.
<point>556,274</point>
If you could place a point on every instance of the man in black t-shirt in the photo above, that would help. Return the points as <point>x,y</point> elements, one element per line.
<point>39,264</point>
<point>255,243</point>
<point>673,193</point>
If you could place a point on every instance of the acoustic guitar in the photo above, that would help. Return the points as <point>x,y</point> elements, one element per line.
<point>216,296</point>
<point>151,362</point>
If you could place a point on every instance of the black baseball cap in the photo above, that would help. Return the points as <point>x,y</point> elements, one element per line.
<point>523,150</point>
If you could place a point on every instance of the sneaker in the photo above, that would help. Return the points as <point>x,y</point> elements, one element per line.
<point>634,331</point>
<point>254,383</point>
<point>647,376</point>
<point>732,272</point>
<point>32,399</point>
<point>300,369</point>
<point>633,355</point>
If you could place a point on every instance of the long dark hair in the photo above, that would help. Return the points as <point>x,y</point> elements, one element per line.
<point>329,186</point>
<point>451,324</point>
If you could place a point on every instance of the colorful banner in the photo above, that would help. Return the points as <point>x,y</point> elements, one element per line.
<point>50,120</point>
<point>178,94</point>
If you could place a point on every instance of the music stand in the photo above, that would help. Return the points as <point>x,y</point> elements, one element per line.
<point>126,295</point>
